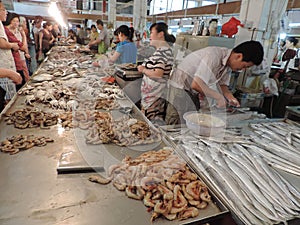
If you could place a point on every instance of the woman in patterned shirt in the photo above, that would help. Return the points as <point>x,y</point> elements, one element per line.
<point>156,70</point>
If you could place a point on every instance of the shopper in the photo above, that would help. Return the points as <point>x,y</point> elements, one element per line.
<point>12,32</point>
<point>15,27</point>
<point>37,27</point>
<point>126,50</point>
<point>206,72</point>
<point>93,37</point>
<point>7,60</point>
<point>46,39</point>
<point>156,70</point>
<point>80,34</point>
<point>72,37</point>
<point>31,61</point>
<point>103,39</point>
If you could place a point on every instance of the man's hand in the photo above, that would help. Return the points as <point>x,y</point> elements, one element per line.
<point>233,101</point>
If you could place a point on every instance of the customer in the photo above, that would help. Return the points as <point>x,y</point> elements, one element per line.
<point>206,72</point>
<point>7,60</point>
<point>102,40</point>
<point>13,35</point>
<point>37,27</point>
<point>72,37</point>
<point>31,61</point>
<point>46,39</point>
<point>80,34</point>
<point>126,50</point>
<point>93,37</point>
<point>156,70</point>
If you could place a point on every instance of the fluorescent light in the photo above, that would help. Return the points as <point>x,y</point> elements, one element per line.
<point>294,25</point>
<point>56,14</point>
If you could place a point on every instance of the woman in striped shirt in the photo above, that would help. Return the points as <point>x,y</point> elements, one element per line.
<point>156,70</point>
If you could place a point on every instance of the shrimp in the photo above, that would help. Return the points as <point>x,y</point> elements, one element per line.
<point>188,213</point>
<point>179,199</point>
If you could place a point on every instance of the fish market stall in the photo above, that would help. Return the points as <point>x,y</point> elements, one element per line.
<point>252,165</point>
<point>76,150</point>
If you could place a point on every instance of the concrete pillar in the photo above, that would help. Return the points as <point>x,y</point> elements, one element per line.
<point>112,12</point>
<point>139,15</point>
<point>262,23</point>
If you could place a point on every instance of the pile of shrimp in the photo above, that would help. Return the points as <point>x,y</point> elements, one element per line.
<point>163,181</point>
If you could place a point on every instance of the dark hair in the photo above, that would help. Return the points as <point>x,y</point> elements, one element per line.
<point>47,24</point>
<point>99,22</point>
<point>128,32</point>
<point>252,51</point>
<point>93,26</point>
<point>293,40</point>
<point>162,27</point>
<point>78,26</point>
<point>116,32</point>
<point>10,17</point>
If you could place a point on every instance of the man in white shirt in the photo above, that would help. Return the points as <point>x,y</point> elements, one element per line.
<point>206,72</point>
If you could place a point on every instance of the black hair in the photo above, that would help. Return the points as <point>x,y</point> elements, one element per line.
<point>162,27</point>
<point>47,24</point>
<point>293,40</point>
<point>78,26</point>
<point>10,17</point>
<point>252,51</point>
<point>93,26</point>
<point>128,32</point>
<point>99,22</point>
<point>116,32</point>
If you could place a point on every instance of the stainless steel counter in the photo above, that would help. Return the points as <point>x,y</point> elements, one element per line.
<point>32,192</point>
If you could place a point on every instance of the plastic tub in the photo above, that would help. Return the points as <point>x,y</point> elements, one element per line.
<point>204,124</point>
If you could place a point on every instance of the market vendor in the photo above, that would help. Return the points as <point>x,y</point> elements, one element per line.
<point>156,71</point>
<point>206,73</point>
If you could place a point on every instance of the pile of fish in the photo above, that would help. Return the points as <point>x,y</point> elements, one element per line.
<point>241,170</point>
<point>18,143</point>
<point>278,143</point>
<point>162,181</point>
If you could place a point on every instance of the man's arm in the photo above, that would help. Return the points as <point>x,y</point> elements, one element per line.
<point>14,76</point>
<point>228,95</point>
<point>4,44</point>
<point>201,87</point>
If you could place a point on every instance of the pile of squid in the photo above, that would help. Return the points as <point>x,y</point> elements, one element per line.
<point>18,143</point>
<point>162,180</point>
<point>31,118</point>
<point>242,172</point>
<point>123,132</point>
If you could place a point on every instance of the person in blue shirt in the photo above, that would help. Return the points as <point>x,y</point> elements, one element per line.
<point>126,50</point>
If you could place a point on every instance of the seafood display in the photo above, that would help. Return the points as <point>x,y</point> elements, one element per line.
<point>242,170</point>
<point>18,143</point>
<point>31,118</point>
<point>163,181</point>
<point>123,132</point>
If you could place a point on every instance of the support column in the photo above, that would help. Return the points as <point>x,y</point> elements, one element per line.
<point>262,23</point>
<point>139,14</point>
<point>112,12</point>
